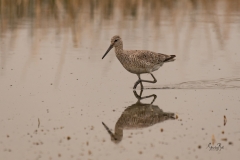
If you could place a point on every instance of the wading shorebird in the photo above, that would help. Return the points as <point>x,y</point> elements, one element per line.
<point>138,61</point>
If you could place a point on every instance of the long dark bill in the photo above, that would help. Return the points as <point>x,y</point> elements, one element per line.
<point>110,47</point>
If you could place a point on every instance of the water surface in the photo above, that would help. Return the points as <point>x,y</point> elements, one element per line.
<point>56,90</point>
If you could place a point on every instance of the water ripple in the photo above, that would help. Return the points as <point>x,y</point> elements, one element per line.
<point>222,83</point>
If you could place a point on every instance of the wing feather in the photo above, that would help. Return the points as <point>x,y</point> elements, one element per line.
<point>152,57</point>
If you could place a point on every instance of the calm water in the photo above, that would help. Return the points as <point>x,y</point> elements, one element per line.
<point>56,90</point>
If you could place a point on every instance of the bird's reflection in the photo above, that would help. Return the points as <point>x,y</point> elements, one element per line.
<point>138,115</point>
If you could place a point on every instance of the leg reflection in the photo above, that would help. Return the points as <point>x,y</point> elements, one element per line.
<point>138,115</point>
<point>139,97</point>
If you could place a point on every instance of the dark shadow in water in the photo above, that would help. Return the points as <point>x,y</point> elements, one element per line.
<point>222,83</point>
<point>138,115</point>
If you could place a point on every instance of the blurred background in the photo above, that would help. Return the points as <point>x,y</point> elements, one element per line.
<point>208,28</point>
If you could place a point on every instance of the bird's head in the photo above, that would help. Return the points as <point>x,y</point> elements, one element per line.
<point>115,42</point>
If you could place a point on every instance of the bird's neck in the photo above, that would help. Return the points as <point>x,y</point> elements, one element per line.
<point>119,49</point>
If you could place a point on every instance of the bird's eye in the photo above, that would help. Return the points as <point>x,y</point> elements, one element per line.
<point>116,40</point>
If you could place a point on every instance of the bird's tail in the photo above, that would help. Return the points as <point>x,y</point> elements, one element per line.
<point>170,58</point>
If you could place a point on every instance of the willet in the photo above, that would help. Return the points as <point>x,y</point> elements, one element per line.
<point>138,61</point>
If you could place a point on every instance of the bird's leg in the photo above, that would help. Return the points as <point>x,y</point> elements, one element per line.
<point>139,97</point>
<point>138,81</point>
<point>154,79</point>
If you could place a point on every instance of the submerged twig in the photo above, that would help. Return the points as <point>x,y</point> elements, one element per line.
<point>224,120</point>
<point>38,122</point>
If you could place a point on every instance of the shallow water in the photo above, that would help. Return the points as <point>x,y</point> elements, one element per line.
<point>56,90</point>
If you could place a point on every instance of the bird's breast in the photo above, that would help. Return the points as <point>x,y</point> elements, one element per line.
<point>131,64</point>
